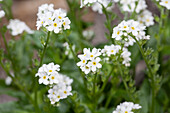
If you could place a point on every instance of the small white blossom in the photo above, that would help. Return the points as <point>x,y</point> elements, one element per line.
<point>2,14</point>
<point>111,50</point>
<point>90,61</point>
<point>127,30</point>
<point>48,74</point>
<point>132,5</point>
<point>8,80</point>
<point>60,90</point>
<point>126,57</point>
<point>18,27</point>
<point>97,5</point>
<point>165,3</point>
<point>51,19</point>
<point>126,107</point>
<point>146,18</point>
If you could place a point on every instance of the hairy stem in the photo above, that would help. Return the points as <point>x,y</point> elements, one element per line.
<point>152,76</point>
<point>36,79</point>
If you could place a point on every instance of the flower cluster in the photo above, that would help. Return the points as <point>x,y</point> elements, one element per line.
<point>146,18</point>
<point>126,107</point>
<point>132,5</point>
<point>111,50</point>
<point>61,84</point>
<point>60,90</point>
<point>48,74</point>
<point>51,19</point>
<point>165,3</point>
<point>90,61</point>
<point>2,14</point>
<point>97,5</point>
<point>115,50</point>
<point>127,30</point>
<point>18,27</point>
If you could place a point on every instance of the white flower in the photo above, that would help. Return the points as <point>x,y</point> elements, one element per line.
<point>141,6</point>
<point>146,18</point>
<point>8,80</point>
<point>86,68</point>
<point>48,74</point>
<point>66,23</point>
<point>18,27</point>
<point>132,5</point>
<point>51,68</point>
<point>126,31</point>
<point>126,107</point>
<point>111,50</point>
<point>54,78</point>
<point>95,64</point>
<point>126,57</point>
<point>96,5</point>
<point>117,33</point>
<point>165,3</point>
<point>89,60</point>
<point>51,19</point>
<point>61,90</point>
<point>55,26</point>
<point>43,78</point>
<point>2,13</point>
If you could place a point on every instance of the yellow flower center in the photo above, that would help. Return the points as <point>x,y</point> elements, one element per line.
<point>42,22</point>
<point>52,77</point>
<point>133,28</point>
<point>55,24</point>
<point>91,55</point>
<point>64,23</point>
<point>65,92</point>
<point>58,96</point>
<point>125,27</point>
<point>50,70</point>
<point>53,93</point>
<point>166,2</point>
<point>84,61</point>
<point>59,17</point>
<point>44,77</point>
<point>49,18</point>
<point>94,63</point>
<point>126,112</point>
<point>112,51</point>
<point>118,32</point>
<point>147,20</point>
<point>84,54</point>
<point>87,67</point>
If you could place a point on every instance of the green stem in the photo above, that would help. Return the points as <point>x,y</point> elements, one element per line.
<point>109,98</point>
<point>71,48</point>
<point>152,76</point>
<point>94,91</point>
<point>124,82</point>
<point>106,81</point>
<point>36,79</point>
